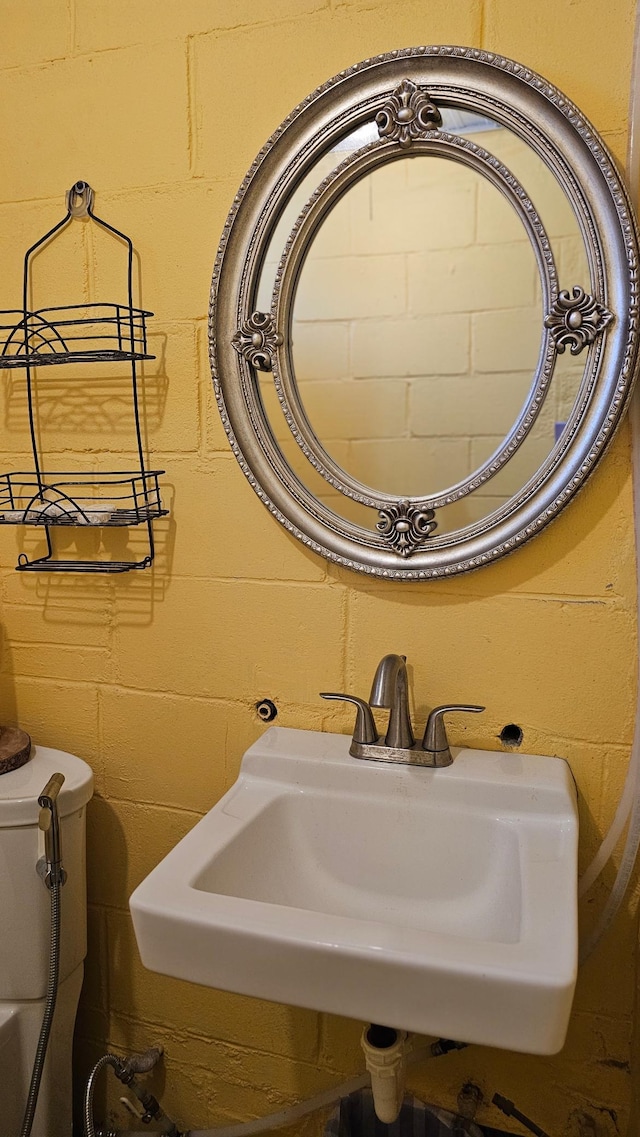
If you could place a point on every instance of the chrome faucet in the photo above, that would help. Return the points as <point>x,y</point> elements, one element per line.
<point>390,689</point>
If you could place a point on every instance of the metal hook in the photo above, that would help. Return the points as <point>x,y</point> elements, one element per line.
<point>79,199</point>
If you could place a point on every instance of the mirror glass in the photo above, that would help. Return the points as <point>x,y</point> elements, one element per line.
<point>406,315</point>
<point>418,324</point>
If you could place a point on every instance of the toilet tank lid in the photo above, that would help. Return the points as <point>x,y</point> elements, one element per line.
<point>20,788</point>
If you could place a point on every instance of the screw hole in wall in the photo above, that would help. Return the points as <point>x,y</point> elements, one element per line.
<point>511,734</point>
<point>267,710</point>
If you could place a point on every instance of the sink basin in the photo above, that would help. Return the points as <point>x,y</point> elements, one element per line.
<point>439,901</point>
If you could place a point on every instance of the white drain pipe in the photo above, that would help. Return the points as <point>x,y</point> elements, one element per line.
<point>385,1055</point>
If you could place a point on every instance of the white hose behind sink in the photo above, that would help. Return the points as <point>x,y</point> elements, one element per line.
<point>629,804</point>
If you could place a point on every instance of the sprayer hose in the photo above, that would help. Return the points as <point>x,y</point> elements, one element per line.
<point>47,1018</point>
<point>106,1060</point>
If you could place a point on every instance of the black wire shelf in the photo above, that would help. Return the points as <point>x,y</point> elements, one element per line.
<point>46,564</point>
<point>119,498</point>
<point>76,333</point>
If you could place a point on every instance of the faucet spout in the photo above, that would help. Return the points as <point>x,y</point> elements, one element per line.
<point>390,689</point>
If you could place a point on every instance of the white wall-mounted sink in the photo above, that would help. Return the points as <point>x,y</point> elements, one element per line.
<point>438,901</point>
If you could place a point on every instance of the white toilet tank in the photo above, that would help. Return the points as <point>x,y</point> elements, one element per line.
<point>25,933</point>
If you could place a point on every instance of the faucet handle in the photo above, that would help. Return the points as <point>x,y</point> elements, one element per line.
<point>435,735</point>
<point>365,729</point>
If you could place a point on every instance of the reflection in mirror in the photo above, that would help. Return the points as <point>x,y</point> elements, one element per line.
<point>415,338</point>
<point>417,325</point>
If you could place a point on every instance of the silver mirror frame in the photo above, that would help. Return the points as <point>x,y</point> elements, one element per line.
<point>242,340</point>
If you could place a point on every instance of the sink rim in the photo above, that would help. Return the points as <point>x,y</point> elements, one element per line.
<point>237,809</point>
<point>273,766</point>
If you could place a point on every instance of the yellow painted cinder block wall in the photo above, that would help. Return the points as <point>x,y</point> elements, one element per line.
<point>153,677</point>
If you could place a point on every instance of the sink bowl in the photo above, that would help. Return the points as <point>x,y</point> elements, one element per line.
<point>439,901</point>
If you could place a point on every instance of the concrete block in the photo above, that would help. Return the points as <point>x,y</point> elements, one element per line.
<point>344,288</point>
<point>320,350</point>
<point>566,384</point>
<point>201,504</point>
<point>58,661</point>
<point>472,280</point>
<point>507,341</point>
<point>492,632</point>
<point>357,408</point>
<point>585,555</point>
<point>28,38</point>
<point>169,246</point>
<point>106,129</point>
<point>58,271</point>
<point>173,107</point>
<point>101,28</point>
<point>81,615</point>
<point>465,405</point>
<point>148,765</point>
<point>246,637</point>
<point>300,57</point>
<point>55,713</point>
<point>410,345</point>
<point>125,841</point>
<point>95,989</point>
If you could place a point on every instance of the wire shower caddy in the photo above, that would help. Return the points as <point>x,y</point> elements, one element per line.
<point>78,333</point>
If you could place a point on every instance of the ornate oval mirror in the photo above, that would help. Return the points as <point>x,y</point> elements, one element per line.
<point>424,312</point>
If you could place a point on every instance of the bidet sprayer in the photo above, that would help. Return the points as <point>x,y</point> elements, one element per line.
<point>52,871</point>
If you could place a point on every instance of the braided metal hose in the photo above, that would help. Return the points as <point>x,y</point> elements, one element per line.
<point>106,1060</point>
<point>47,1018</point>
